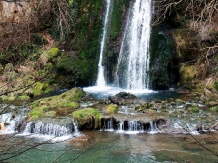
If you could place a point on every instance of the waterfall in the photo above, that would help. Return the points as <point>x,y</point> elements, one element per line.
<point>133,61</point>
<point>51,129</point>
<point>100,79</point>
<point>76,130</point>
<point>109,125</point>
<point>153,128</point>
<point>11,122</point>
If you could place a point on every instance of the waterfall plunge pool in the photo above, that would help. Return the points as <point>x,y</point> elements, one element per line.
<point>146,94</point>
<point>104,147</point>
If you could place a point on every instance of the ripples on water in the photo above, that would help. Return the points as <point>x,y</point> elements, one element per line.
<point>107,147</point>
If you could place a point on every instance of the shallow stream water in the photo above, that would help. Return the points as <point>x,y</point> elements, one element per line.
<point>111,147</point>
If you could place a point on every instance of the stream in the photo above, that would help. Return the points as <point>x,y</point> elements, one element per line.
<point>107,147</point>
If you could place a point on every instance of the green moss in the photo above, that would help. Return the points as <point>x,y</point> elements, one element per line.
<point>36,113</point>
<point>187,73</point>
<point>86,113</point>
<point>72,104</point>
<point>53,52</point>
<point>40,88</point>
<point>112,108</point>
<point>1,69</point>
<point>216,85</point>
<point>68,99</point>
<point>215,109</point>
<point>194,109</point>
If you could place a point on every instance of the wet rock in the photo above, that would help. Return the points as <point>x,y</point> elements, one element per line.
<point>113,100</point>
<point>125,95</point>
<point>199,128</point>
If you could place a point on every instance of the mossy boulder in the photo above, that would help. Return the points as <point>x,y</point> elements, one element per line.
<point>40,88</point>
<point>53,52</point>
<point>112,108</point>
<point>88,118</point>
<point>49,55</point>
<point>69,100</point>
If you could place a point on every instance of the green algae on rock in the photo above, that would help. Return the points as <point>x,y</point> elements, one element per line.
<point>88,118</point>
<point>67,99</point>
<point>112,108</point>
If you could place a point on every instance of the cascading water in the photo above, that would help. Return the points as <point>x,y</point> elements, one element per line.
<point>135,126</point>
<point>153,128</point>
<point>109,125</point>
<point>121,127</point>
<point>100,79</point>
<point>76,130</point>
<point>133,62</point>
<point>11,122</point>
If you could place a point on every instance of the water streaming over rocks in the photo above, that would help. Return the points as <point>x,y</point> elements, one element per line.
<point>133,62</point>
<point>101,79</point>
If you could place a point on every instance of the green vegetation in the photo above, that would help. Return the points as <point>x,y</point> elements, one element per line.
<point>187,73</point>
<point>68,99</point>
<point>53,52</point>
<point>215,109</point>
<point>194,109</point>
<point>40,88</point>
<point>37,113</point>
<point>216,85</point>
<point>112,108</point>
<point>86,113</point>
<point>88,117</point>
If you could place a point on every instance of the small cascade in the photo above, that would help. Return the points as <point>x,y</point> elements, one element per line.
<point>133,61</point>
<point>121,127</point>
<point>109,125</point>
<point>76,128</point>
<point>11,122</point>
<point>153,128</point>
<point>100,79</point>
<point>135,127</point>
<point>51,129</point>
<point>28,129</point>
<point>47,129</point>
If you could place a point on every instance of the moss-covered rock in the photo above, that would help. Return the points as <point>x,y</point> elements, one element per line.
<point>40,88</point>
<point>68,99</point>
<point>112,108</point>
<point>49,55</point>
<point>88,118</point>
<point>193,109</point>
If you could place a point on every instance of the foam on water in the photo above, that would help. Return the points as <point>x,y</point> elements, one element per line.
<point>111,91</point>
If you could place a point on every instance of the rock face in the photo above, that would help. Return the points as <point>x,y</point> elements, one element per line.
<point>18,12</point>
<point>19,18</point>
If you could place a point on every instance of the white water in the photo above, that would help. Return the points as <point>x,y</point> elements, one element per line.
<point>100,79</point>
<point>153,128</point>
<point>109,125</point>
<point>11,122</point>
<point>134,127</point>
<point>133,62</point>
<point>121,127</point>
<point>76,129</point>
